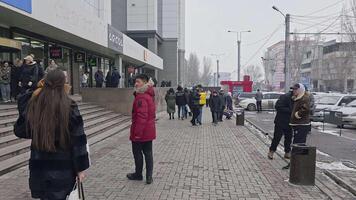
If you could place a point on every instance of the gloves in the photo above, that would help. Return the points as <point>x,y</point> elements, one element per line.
<point>30,83</point>
<point>20,84</point>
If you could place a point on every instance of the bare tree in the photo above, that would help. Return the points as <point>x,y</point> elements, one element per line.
<point>207,71</point>
<point>192,72</point>
<point>255,72</point>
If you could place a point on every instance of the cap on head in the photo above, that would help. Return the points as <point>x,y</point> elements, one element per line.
<point>29,58</point>
<point>295,86</point>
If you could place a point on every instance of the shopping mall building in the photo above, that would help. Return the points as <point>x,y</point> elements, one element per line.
<point>78,35</point>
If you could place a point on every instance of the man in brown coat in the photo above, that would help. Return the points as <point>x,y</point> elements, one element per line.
<point>300,118</point>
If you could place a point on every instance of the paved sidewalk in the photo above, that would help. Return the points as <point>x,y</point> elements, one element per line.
<point>206,162</point>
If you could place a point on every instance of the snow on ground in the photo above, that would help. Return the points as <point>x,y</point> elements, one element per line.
<point>334,166</point>
<point>322,153</point>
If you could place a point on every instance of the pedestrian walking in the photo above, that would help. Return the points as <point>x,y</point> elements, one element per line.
<point>99,78</point>
<point>223,105</point>
<point>53,122</point>
<point>215,106</point>
<point>115,78</point>
<point>181,102</point>
<point>202,103</point>
<point>108,79</point>
<point>52,66</point>
<point>84,79</point>
<point>259,97</point>
<point>300,117</point>
<point>194,104</point>
<point>31,74</point>
<point>171,102</point>
<point>284,106</point>
<point>143,129</point>
<point>14,79</point>
<point>186,107</point>
<point>5,71</point>
<point>208,94</point>
<point>229,101</point>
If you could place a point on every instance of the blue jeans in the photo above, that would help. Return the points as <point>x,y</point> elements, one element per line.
<point>5,91</point>
<point>182,111</point>
<point>200,116</point>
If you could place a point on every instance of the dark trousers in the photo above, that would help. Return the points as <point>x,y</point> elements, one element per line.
<point>139,149</point>
<point>259,106</point>
<point>300,134</point>
<point>221,114</point>
<point>98,85</point>
<point>207,102</point>
<point>196,112</point>
<point>215,116</point>
<point>279,131</point>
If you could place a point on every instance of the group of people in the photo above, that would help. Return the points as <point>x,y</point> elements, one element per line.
<point>111,80</point>
<point>16,78</point>
<point>193,101</point>
<point>292,119</point>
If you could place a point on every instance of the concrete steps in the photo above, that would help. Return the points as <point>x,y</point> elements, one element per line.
<point>14,152</point>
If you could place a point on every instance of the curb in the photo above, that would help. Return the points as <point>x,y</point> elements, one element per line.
<point>328,173</point>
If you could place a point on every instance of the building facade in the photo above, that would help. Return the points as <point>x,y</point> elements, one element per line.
<point>158,25</point>
<point>273,62</point>
<point>78,35</point>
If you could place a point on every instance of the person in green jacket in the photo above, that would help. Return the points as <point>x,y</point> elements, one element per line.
<point>171,103</point>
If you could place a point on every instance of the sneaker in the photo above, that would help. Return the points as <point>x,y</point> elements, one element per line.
<point>149,179</point>
<point>134,177</point>
<point>287,155</point>
<point>270,155</point>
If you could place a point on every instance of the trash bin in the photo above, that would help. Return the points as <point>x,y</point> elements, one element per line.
<point>302,165</point>
<point>240,118</point>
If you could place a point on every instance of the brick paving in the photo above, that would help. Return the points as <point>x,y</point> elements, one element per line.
<point>206,162</point>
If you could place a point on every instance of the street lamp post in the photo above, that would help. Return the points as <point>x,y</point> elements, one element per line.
<point>239,33</point>
<point>286,49</point>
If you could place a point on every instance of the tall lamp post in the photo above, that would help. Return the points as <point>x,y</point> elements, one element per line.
<point>239,33</point>
<point>217,67</point>
<point>286,49</point>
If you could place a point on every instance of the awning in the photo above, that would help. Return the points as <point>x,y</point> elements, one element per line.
<point>9,45</point>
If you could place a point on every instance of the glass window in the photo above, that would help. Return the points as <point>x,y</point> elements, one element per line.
<point>347,100</point>
<point>328,100</point>
<point>267,96</point>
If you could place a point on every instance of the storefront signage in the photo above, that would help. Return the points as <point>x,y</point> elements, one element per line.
<point>25,5</point>
<point>92,61</point>
<point>9,43</point>
<point>79,57</point>
<point>115,39</point>
<point>55,53</point>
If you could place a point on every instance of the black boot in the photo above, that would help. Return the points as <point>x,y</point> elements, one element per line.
<point>134,177</point>
<point>149,179</point>
<point>170,116</point>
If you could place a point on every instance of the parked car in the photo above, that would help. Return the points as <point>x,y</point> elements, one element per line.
<point>268,101</point>
<point>244,95</point>
<point>331,102</point>
<point>348,113</point>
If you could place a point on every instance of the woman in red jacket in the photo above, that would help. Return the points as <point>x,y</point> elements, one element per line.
<point>143,129</point>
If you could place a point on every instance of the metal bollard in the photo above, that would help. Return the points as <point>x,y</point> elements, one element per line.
<point>302,165</point>
<point>240,118</point>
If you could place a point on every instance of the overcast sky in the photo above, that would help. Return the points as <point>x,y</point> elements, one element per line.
<point>207,23</point>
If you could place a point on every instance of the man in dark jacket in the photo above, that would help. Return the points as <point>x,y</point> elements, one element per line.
<point>259,97</point>
<point>215,106</point>
<point>223,105</point>
<point>284,106</point>
<point>194,104</point>
<point>143,127</point>
<point>181,102</point>
<point>115,78</point>
<point>108,80</point>
<point>31,73</point>
<point>99,78</point>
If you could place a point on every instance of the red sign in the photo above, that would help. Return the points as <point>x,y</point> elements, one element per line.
<point>55,53</point>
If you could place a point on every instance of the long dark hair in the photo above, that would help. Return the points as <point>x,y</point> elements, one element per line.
<point>48,114</point>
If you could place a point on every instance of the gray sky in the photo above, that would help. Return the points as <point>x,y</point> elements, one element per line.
<point>207,23</point>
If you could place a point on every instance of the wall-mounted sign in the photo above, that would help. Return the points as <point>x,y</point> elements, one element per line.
<point>115,39</point>
<point>79,57</point>
<point>92,61</point>
<point>25,5</point>
<point>55,52</point>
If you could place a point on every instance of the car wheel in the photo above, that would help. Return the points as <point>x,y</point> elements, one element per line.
<point>251,107</point>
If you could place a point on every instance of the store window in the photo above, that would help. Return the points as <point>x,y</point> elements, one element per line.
<point>31,46</point>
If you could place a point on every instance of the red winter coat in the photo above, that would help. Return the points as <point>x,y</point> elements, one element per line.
<point>143,126</point>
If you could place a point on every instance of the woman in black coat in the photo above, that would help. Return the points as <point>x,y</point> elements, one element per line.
<point>14,80</point>
<point>59,145</point>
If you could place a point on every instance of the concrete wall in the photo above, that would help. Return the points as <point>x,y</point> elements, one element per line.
<point>120,99</point>
<point>142,15</point>
<point>169,53</point>
<point>119,14</point>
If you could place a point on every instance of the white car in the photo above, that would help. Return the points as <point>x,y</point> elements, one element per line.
<point>348,113</point>
<point>268,101</point>
<point>331,102</point>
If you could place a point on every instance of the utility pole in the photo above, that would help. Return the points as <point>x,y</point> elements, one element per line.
<point>217,73</point>
<point>286,55</point>
<point>238,59</point>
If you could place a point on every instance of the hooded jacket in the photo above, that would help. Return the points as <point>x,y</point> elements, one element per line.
<point>143,127</point>
<point>301,110</point>
<point>284,107</point>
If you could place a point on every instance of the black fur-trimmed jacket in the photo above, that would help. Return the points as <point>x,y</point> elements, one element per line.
<point>52,175</point>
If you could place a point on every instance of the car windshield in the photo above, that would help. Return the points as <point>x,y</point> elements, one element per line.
<point>328,100</point>
<point>247,95</point>
<point>352,104</point>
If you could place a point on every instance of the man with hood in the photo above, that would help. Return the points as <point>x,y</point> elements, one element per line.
<point>143,128</point>
<point>115,78</point>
